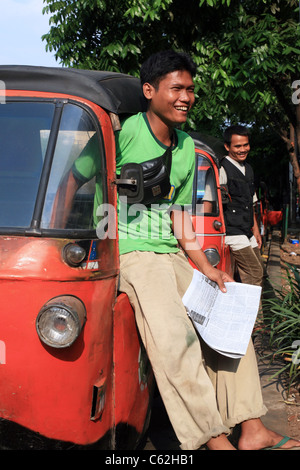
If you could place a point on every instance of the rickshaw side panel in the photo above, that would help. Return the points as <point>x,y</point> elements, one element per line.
<point>134,377</point>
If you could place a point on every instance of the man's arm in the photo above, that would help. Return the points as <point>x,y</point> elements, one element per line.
<point>184,232</point>
<point>63,201</point>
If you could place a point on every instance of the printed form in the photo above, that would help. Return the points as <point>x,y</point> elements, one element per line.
<point>224,321</point>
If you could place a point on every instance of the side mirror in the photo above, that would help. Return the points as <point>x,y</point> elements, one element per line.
<point>131,183</point>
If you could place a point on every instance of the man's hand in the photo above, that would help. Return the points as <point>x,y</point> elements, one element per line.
<point>218,276</point>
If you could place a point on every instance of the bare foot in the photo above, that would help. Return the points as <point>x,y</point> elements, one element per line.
<point>256,436</point>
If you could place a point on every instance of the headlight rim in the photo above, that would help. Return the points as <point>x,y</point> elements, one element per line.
<point>74,307</point>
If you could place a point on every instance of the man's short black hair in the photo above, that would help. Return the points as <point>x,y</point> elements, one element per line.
<point>235,130</point>
<point>161,63</point>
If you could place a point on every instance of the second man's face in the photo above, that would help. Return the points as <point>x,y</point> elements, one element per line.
<point>174,97</point>
<point>239,148</point>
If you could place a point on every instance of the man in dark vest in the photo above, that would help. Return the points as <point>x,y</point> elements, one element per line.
<point>237,182</point>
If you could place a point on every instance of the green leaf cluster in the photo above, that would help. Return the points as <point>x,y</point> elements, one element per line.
<point>282,321</point>
<point>237,45</point>
<point>247,52</point>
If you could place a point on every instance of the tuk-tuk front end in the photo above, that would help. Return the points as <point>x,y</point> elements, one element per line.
<point>73,373</point>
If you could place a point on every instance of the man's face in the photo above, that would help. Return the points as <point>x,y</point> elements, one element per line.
<point>173,98</point>
<point>239,148</point>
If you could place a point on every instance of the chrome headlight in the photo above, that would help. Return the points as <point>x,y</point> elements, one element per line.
<point>73,254</point>
<point>213,256</point>
<point>60,321</point>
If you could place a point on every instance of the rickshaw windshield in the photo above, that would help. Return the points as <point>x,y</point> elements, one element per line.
<point>28,192</point>
<point>205,189</point>
<point>75,187</point>
<point>22,152</point>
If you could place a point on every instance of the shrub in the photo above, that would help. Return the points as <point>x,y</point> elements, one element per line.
<point>282,323</point>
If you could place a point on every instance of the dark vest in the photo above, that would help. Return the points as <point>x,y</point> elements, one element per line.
<point>238,211</point>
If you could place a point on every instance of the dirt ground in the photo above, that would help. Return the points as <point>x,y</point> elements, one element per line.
<point>290,253</point>
<point>293,413</point>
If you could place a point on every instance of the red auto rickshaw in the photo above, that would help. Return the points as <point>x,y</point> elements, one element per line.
<point>207,212</point>
<point>73,372</point>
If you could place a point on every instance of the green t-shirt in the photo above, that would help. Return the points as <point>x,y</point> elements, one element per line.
<point>149,228</point>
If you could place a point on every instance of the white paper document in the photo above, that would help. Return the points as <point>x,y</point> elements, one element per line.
<point>224,321</point>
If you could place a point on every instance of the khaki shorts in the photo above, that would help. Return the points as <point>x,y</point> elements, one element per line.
<point>204,393</point>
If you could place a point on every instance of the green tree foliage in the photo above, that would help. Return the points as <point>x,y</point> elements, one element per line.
<point>247,52</point>
<point>119,34</point>
<point>248,65</point>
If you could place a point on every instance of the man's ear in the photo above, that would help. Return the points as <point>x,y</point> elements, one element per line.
<point>148,91</point>
<point>226,147</point>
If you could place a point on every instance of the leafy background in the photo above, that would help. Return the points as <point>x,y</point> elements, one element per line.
<point>247,56</point>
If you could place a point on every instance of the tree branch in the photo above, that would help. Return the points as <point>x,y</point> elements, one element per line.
<point>283,102</point>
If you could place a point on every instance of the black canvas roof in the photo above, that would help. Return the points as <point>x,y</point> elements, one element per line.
<point>117,93</point>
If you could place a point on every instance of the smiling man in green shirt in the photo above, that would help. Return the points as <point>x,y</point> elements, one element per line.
<point>149,228</point>
<point>155,273</point>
